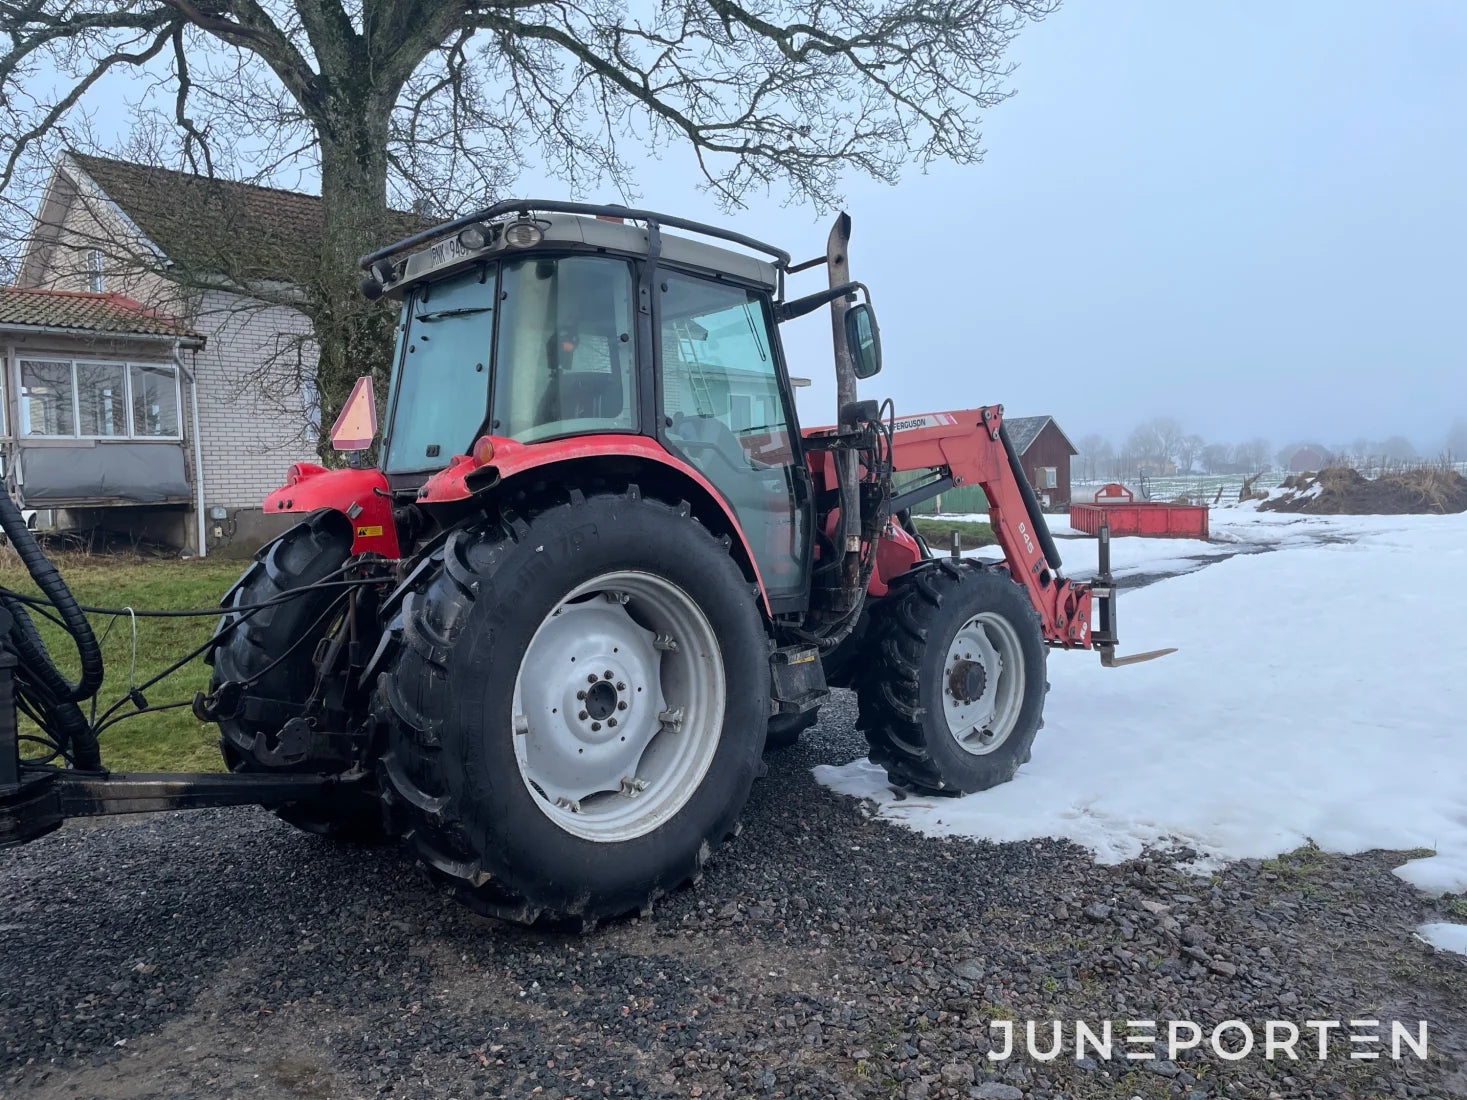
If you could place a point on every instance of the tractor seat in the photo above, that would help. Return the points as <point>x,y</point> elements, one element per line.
<point>590,395</point>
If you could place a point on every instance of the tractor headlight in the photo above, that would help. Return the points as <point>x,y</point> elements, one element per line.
<point>523,234</point>
<point>475,237</point>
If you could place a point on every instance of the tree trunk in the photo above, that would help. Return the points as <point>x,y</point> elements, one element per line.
<point>354,335</point>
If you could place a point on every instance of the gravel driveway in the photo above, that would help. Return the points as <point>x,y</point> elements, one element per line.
<point>221,953</point>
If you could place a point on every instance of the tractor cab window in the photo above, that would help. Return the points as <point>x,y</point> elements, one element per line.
<point>565,361</point>
<point>441,391</point>
<point>725,413</point>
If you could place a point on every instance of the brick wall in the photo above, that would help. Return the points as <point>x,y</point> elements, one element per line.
<point>252,414</point>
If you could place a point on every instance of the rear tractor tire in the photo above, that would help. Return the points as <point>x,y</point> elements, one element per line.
<point>272,652</point>
<point>956,694</point>
<point>576,706</point>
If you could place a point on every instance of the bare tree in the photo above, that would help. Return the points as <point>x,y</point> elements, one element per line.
<point>1217,458</point>
<point>1169,436</point>
<point>1188,448</point>
<point>1142,445</point>
<point>1398,449</point>
<point>1095,457</point>
<point>1252,456</point>
<point>1156,441</point>
<point>433,104</point>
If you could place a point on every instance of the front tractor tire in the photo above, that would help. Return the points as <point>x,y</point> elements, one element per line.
<point>956,692</point>
<point>272,652</point>
<point>577,706</point>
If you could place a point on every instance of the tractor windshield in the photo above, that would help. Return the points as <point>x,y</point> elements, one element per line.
<point>563,358</point>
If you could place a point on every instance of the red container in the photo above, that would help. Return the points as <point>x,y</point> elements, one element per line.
<point>1117,505</point>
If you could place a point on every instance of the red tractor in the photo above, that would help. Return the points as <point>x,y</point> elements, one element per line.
<point>598,566</point>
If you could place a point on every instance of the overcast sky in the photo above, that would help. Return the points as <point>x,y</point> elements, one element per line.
<point>1251,217</point>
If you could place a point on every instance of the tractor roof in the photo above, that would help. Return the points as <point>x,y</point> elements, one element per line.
<point>577,226</point>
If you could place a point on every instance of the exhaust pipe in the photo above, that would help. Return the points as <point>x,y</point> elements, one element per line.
<point>838,272</point>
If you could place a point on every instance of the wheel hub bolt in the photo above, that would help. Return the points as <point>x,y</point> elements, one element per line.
<point>606,675</point>
<point>621,685</point>
<point>595,726</point>
<point>591,679</point>
<point>611,721</point>
<point>580,695</point>
<point>582,716</point>
<point>621,705</point>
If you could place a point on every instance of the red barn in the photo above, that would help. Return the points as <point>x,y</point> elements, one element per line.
<point>1308,457</point>
<point>1044,453</point>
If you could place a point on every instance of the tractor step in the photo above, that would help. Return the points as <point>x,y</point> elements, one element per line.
<point>797,679</point>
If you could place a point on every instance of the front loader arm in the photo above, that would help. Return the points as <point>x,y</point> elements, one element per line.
<point>968,447</point>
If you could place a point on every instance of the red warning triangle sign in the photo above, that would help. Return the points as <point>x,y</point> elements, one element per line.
<point>356,424</point>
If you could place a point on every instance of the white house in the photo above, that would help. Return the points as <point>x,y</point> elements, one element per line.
<point>147,263</point>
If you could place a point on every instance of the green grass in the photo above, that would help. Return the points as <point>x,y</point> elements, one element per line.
<point>939,533</point>
<point>1302,869</point>
<point>173,740</point>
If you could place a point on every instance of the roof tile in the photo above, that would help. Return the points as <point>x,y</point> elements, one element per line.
<point>1024,429</point>
<point>210,225</point>
<point>109,313</point>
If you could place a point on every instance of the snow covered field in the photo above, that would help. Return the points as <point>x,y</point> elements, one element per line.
<point>1318,695</point>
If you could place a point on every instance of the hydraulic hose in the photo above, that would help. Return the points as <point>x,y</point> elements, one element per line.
<point>61,694</point>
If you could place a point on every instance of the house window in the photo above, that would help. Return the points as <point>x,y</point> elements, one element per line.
<point>96,271</point>
<point>1048,477</point>
<point>47,398</point>
<point>154,402</point>
<point>81,399</point>
<point>101,399</point>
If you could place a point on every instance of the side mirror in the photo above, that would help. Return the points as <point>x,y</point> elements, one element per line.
<point>864,340</point>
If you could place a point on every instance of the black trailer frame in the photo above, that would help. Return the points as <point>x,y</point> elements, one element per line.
<point>35,801</point>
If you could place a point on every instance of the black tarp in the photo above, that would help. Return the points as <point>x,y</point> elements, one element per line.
<point>104,473</point>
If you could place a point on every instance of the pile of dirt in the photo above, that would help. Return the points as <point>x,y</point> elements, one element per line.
<point>1341,491</point>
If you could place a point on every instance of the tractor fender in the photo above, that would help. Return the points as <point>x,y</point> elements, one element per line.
<point>896,553</point>
<point>359,494</point>
<point>640,460</point>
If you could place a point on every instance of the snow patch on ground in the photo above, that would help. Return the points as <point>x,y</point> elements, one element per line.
<point>1447,937</point>
<point>1318,695</point>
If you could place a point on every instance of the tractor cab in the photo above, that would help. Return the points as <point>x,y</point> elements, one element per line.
<point>544,331</point>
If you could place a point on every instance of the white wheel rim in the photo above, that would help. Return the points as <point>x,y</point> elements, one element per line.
<point>983,683</point>
<point>618,706</point>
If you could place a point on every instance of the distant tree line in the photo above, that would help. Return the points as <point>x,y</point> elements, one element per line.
<point>1162,446</point>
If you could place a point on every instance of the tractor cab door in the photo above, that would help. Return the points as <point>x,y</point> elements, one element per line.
<point>726,410</point>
